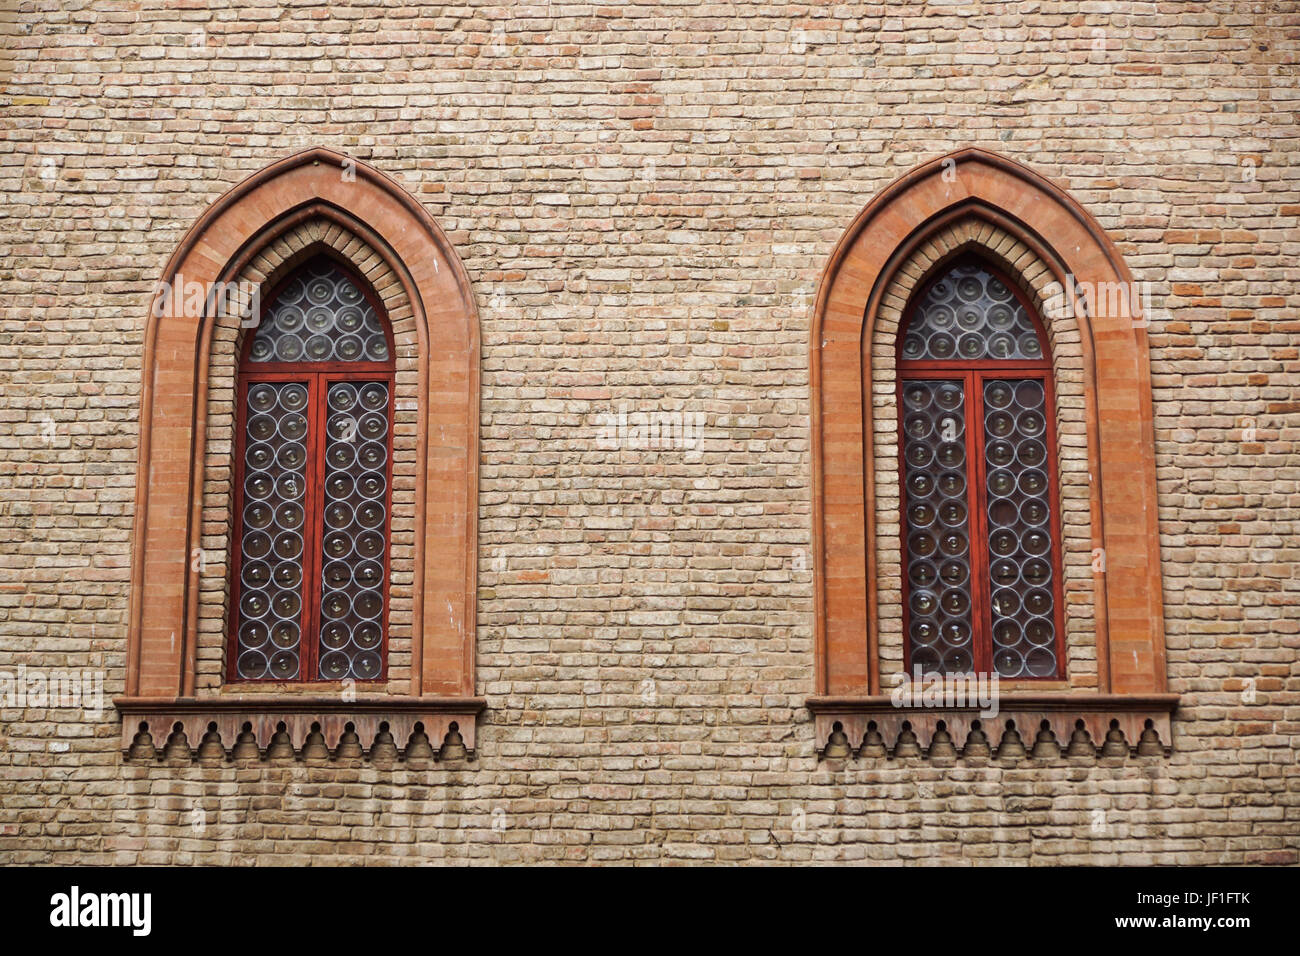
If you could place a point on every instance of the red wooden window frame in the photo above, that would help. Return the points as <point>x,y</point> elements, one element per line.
<point>972,374</point>
<point>318,376</point>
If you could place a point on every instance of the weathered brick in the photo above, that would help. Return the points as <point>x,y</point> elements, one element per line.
<point>645,196</point>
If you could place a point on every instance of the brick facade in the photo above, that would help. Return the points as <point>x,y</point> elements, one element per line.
<point>644,199</point>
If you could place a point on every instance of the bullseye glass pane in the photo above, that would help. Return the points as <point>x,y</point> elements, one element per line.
<point>354,536</point>
<point>938,526</point>
<point>271,531</point>
<point>320,316</point>
<point>970,314</point>
<point>1020,539</point>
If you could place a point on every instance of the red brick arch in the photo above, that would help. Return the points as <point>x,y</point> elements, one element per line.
<point>1118,406</point>
<point>322,185</point>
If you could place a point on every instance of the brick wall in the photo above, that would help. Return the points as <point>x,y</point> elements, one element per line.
<point>644,196</point>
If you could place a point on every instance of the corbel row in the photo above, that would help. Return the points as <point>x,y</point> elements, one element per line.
<point>1043,726</point>
<point>245,729</point>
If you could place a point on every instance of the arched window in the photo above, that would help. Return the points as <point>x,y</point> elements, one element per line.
<point>917,304</point>
<point>342,429</point>
<point>982,559</point>
<point>312,483</point>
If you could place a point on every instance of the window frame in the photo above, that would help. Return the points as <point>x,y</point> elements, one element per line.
<point>972,374</point>
<point>318,376</point>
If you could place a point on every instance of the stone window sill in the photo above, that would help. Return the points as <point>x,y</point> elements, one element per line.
<point>265,727</point>
<point>1027,725</point>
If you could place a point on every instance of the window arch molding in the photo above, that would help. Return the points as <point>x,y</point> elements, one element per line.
<point>1032,230</point>
<point>382,229</point>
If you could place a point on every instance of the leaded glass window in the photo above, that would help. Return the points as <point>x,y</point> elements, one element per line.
<point>982,589</point>
<point>313,478</point>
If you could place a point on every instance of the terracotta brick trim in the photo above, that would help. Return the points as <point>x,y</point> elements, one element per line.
<point>1054,230</point>
<point>364,214</point>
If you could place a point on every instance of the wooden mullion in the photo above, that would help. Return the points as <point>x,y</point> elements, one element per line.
<point>981,586</point>
<point>315,511</point>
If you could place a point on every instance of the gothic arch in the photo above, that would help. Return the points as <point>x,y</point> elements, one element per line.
<point>314,200</point>
<point>974,199</point>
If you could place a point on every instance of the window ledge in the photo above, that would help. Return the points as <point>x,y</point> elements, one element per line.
<point>303,727</point>
<point>1045,725</point>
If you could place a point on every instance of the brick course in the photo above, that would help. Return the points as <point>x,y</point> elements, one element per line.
<point>644,197</point>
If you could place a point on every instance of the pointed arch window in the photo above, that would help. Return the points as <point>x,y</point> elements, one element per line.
<point>384,324</point>
<point>910,238</point>
<point>982,582</point>
<point>313,483</point>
